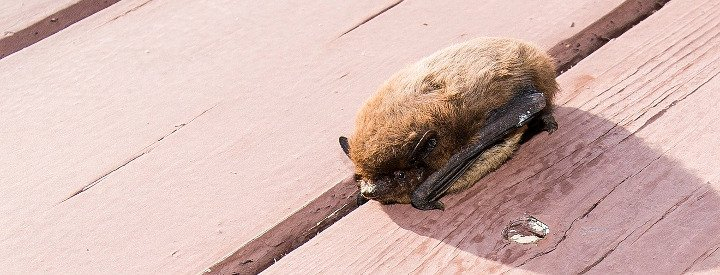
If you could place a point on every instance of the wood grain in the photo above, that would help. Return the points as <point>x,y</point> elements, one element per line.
<point>628,183</point>
<point>340,200</point>
<point>18,15</point>
<point>160,136</point>
<point>571,50</point>
<point>24,23</point>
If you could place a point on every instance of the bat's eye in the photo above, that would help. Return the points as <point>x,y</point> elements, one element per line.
<point>400,175</point>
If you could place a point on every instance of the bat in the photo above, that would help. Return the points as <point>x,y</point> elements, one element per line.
<point>439,125</point>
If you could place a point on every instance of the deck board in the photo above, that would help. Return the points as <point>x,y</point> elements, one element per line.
<point>160,136</point>
<point>627,184</point>
<point>17,15</point>
<point>23,23</point>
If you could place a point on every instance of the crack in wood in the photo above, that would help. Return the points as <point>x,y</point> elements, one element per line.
<point>371,17</point>
<point>667,212</point>
<point>575,165</point>
<point>555,246</point>
<point>585,214</point>
<point>604,256</point>
<point>96,181</point>
<point>562,238</point>
<point>610,26</point>
<point>592,207</point>
<point>664,96</point>
<point>598,261</point>
<point>144,151</point>
<point>584,104</point>
<point>646,63</point>
<point>662,112</point>
<point>675,87</point>
<point>701,258</point>
<point>128,11</point>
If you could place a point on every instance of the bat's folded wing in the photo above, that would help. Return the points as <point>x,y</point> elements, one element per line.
<point>514,114</point>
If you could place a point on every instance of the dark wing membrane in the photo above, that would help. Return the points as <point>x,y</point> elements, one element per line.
<point>514,114</point>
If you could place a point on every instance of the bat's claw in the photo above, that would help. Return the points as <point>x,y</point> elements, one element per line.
<point>549,123</point>
<point>427,205</point>
<point>360,199</point>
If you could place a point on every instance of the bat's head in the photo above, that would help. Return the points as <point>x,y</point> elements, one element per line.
<point>395,187</point>
<point>392,176</point>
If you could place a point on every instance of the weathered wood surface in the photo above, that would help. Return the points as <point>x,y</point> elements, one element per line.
<point>628,184</point>
<point>23,23</point>
<point>338,201</point>
<point>160,136</point>
<point>17,15</point>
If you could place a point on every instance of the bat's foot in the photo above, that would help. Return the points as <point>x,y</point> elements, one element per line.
<point>360,199</point>
<point>549,123</point>
<point>544,122</point>
<point>427,205</point>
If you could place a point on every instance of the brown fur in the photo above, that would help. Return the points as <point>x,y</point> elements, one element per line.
<point>450,92</point>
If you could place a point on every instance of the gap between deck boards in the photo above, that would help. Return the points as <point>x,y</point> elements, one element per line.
<point>51,24</point>
<point>338,201</point>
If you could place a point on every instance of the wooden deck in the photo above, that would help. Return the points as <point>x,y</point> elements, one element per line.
<point>159,136</point>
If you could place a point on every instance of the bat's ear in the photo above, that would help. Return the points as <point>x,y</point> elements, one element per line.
<point>345,145</point>
<point>424,146</point>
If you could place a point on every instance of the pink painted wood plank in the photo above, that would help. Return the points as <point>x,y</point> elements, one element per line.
<point>84,102</point>
<point>24,23</point>
<point>628,184</point>
<point>160,136</point>
<point>17,15</point>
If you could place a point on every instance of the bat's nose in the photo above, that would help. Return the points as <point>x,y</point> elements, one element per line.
<point>367,189</point>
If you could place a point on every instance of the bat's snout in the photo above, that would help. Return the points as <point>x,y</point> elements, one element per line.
<point>368,189</point>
